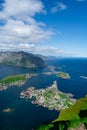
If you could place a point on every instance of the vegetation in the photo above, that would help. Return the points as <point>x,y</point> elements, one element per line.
<point>46,127</point>
<point>13,80</point>
<point>72,113</point>
<point>50,97</point>
<point>62,95</point>
<point>72,117</point>
<point>63,75</point>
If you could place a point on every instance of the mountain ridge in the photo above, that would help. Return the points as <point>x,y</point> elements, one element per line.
<point>22,59</point>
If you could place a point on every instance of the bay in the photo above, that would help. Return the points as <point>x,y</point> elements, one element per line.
<point>27,116</point>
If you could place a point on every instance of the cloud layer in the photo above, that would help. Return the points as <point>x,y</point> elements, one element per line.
<point>33,48</point>
<point>19,29</point>
<point>20,9</point>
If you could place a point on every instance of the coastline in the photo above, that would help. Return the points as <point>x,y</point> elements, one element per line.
<point>50,97</point>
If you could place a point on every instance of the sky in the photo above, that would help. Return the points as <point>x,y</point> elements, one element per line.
<point>47,27</point>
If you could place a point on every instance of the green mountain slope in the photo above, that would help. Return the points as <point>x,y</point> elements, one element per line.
<point>73,118</point>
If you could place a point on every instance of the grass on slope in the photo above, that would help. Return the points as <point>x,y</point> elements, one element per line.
<point>72,113</point>
<point>14,78</point>
<point>72,117</point>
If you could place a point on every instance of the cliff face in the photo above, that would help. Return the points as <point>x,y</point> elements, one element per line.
<point>23,59</point>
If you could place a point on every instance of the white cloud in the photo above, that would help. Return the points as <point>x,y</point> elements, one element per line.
<point>58,7</point>
<point>20,30</point>
<point>32,48</point>
<point>20,8</point>
<point>49,50</point>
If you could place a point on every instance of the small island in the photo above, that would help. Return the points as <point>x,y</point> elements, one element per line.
<point>63,75</point>
<point>12,80</point>
<point>51,68</point>
<point>50,97</point>
<point>84,77</point>
<point>48,73</point>
<point>8,110</point>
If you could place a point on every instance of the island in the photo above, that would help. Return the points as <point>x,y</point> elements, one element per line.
<point>63,75</point>
<point>51,68</point>
<point>8,110</point>
<point>48,73</point>
<point>84,77</point>
<point>50,97</point>
<point>12,80</point>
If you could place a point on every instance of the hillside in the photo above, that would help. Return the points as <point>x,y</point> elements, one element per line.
<point>23,59</point>
<point>73,118</point>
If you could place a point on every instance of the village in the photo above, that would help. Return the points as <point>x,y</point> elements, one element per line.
<point>50,97</point>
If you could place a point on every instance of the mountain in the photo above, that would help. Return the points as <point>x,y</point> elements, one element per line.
<point>72,118</point>
<point>45,58</point>
<point>21,58</point>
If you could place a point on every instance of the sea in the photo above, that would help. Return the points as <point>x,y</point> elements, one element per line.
<point>27,116</point>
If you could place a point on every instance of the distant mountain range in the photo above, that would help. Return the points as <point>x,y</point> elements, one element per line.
<point>47,57</point>
<point>22,59</point>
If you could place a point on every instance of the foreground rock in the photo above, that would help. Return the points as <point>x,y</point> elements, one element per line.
<point>81,127</point>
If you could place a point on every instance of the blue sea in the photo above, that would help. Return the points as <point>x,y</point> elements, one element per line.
<point>27,116</point>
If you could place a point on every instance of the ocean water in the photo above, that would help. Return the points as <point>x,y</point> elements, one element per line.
<point>27,116</point>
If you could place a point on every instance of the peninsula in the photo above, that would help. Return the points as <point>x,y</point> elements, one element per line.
<point>50,97</point>
<point>12,80</point>
<point>63,75</point>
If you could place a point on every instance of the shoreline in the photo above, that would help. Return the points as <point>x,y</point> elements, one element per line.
<point>14,80</point>
<point>50,97</point>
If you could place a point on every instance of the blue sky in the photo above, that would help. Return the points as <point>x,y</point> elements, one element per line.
<point>48,27</point>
